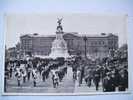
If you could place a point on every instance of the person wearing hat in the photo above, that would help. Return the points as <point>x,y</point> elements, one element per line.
<point>18,75</point>
<point>107,86</point>
<point>78,74</point>
<point>122,81</point>
<point>56,79</point>
<point>43,74</point>
<point>96,78</point>
<point>113,81</point>
<point>35,76</point>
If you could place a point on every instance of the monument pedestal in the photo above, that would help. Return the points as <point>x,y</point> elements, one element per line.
<point>59,46</point>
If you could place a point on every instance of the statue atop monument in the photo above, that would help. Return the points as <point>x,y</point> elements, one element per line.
<point>59,21</point>
<point>59,27</point>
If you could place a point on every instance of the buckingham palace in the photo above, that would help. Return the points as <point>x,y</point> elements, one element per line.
<point>97,45</point>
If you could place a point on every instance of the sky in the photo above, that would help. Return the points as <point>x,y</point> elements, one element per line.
<point>46,23</point>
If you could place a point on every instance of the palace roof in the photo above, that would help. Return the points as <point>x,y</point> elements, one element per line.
<point>70,33</point>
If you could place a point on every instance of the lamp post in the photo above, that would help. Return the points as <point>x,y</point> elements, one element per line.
<point>85,39</point>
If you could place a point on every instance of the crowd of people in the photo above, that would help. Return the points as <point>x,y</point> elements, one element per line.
<point>111,75</point>
<point>34,69</point>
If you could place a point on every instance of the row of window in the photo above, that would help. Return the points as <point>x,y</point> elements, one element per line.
<point>96,43</point>
<point>70,42</point>
<point>27,42</point>
<point>27,47</point>
<point>112,42</point>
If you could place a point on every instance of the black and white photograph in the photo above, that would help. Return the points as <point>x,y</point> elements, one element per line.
<point>65,54</point>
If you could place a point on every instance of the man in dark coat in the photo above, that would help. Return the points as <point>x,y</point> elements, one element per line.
<point>122,82</point>
<point>96,78</point>
<point>43,74</point>
<point>107,84</point>
<point>112,81</point>
<point>82,73</point>
<point>29,68</point>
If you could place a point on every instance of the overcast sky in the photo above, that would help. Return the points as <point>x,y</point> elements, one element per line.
<point>18,24</point>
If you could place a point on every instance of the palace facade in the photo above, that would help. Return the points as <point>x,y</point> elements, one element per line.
<point>96,45</point>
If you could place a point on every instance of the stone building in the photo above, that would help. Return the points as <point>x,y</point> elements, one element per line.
<point>96,45</point>
<point>11,53</point>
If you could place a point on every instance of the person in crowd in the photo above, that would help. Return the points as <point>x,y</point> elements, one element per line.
<point>55,76</point>
<point>18,75</point>
<point>107,85</point>
<point>82,73</point>
<point>34,75</point>
<point>65,67</point>
<point>123,81</point>
<point>60,74</point>
<point>113,81</point>
<point>117,76</point>
<point>53,73</point>
<point>126,76</point>
<point>79,76</point>
<point>47,71</point>
<point>43,74</point>
<point>55,79</point>
<point>29,69</point>
<point>74,69</point>
<point>11,70</point>
<point>24,75</point>
<point>89,76</point>
<point>39,67</point>
<point>74,75</point>
<point>5,77</point>
<point>96,78</point>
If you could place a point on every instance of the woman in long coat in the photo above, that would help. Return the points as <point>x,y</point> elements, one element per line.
<point>79,77</point>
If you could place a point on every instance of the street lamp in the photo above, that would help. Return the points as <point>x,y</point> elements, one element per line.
<point>85,39</point>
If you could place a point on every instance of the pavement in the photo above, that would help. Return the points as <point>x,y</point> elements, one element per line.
<point>68,85</point>
<point>83,88</point>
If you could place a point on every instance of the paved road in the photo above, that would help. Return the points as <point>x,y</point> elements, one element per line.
<point>66,86</point>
